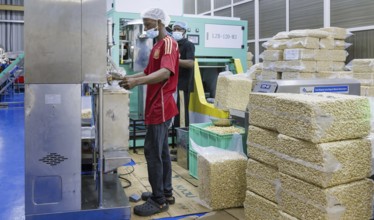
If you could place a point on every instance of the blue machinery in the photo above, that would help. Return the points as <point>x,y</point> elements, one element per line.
<point>10,74</point>
<point>221,44</point>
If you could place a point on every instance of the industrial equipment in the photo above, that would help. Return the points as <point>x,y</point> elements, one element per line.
<point>10,74</point>
<point>135,48</point>
<point>220,44</point>
<point>346,86</point>
<point>71,36</point>
<point>205,81</point>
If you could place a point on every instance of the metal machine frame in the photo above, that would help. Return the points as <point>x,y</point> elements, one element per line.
<point>71,38</point>
<point>345,86</point>
<point>199,105</point>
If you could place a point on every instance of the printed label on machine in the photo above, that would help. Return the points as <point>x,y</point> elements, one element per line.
<point>52,99</point>
<point>223,36</point>
<point>333,89</point>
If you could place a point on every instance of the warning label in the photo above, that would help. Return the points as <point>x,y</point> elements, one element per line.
<point>332,89</point>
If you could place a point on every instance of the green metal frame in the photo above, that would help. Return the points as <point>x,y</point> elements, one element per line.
<point>230,56</point>
<point>197,27</point>
<point>12,65</point>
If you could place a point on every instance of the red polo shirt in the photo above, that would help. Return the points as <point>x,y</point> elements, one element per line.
<point>160,104</point>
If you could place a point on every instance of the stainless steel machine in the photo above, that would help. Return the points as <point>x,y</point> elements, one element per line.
<point>65,47</point>
<point>346,86</point>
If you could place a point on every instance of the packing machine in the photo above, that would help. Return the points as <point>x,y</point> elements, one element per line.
<point>65,47</point>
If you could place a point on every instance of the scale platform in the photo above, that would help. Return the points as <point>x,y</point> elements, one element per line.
<point>345,86</point>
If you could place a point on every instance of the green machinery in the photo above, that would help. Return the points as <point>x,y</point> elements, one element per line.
<point>220,45</point>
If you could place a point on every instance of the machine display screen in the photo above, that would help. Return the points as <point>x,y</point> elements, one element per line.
<point>265,87</point>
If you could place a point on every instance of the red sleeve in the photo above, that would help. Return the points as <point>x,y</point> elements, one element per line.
<point>146,70</point>
<point>170,59</point>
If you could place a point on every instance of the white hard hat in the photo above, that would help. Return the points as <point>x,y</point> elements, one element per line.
<point>156,14</point>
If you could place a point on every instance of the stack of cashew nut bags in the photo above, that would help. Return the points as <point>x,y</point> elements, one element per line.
<point>305,54</point>
<point>222,179</point>
<point>310,157</point>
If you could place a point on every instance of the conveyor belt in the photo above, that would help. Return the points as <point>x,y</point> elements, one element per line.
<point>11,73</point>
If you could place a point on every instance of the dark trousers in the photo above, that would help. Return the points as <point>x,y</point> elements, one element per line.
<point>186,111</point>
<point>156,151</point>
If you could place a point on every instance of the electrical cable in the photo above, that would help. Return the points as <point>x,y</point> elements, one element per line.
<point>130,172</point>
<point>120,176</point>
<point>126,180</point>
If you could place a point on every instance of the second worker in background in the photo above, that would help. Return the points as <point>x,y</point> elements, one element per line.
<point>186,68</point>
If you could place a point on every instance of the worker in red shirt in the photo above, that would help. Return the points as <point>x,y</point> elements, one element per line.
<point>161,78</point>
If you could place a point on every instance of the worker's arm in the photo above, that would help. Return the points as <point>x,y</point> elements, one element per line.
<point>110,78</point>
<point>156,77</point>
<point>188,64</point>
<point>127,76</point>
<point>135,75</point>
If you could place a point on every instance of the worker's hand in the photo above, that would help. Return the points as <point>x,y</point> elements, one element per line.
<point>128,83</point>
<point>109,79</point>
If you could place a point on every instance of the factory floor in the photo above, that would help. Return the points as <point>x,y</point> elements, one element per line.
<point>12,175</point>
<point>12,163</point>
<point>185,192</point>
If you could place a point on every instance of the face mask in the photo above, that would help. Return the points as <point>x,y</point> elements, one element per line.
<point>177,35</point>
<point>152,33</point>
